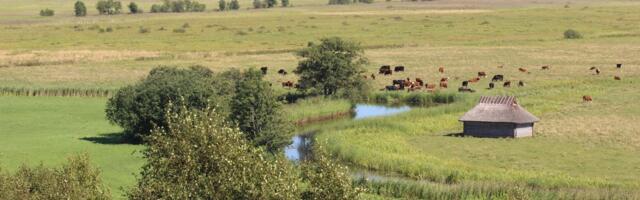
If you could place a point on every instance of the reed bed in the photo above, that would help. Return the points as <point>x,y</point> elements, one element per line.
<point>58,92</point>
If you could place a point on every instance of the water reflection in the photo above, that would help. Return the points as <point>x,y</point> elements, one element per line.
<point>300,147</point>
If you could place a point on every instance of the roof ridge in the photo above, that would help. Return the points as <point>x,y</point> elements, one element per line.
<point>507,100</point>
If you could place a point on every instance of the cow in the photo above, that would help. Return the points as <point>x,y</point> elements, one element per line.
<point>506,84</point>
<point>522,70</point>
<point>282,72</point>
<point>441,69</point>
<point>520,83</point>
<point>264,70</point>
<point>445,79</point>
<point>474,80</point>
<point>500,66</point>
<point>365,76</point>
<point>498,77</point>
<point>430,87</point>
<point>545,67</point>
<point>465,89</point>
<point>491,85</point>
<point>373,76</point>
<point>619,65</point>
<point>414,88</point>
<point>593,68</point>
<point>587,98</point>
<point>391,87</point>
<point>465,83</point>
<point>420,82</point>
<point>597,71</point>
<point>443,84</point>
<point>398,68</point>
<point>398,82</point>
<point>383,69</point>
<point>482,74</point>
<point>617,78</point>
<point>288,84</point>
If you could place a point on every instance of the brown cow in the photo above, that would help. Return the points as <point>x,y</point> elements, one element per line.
<point>520,83</point>
<point>597,71</point>
<point>419,81</point>
<point>593,68</point>
<point>507,84</point>
<point>373,76</point>
<point>522,69</point>
<point>288,84</point>
<point>482,74</point>
<point>445,79</point>
<point>414,88</point>
<point>474,80</point>
<point>441,69</point>
<point>587,98</point>
<point>545,67</point>
<point>443,84</point>
<point>617,78</point>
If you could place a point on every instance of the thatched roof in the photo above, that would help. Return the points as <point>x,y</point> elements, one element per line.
<point>499,109</point>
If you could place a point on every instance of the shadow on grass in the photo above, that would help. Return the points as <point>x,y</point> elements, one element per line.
<point>109,138</point>
<point>454,134</point>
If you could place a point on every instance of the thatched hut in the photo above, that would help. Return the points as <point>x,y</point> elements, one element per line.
<point>498,116</point>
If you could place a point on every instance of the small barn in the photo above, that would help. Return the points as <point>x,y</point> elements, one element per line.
<point>498,116</point>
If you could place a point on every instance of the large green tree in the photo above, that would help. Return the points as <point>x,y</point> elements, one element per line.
<point>140,107</point>
<point>80,9</point>
<point>257,112</point>
<point>199,155</point>
<point>333,65</point>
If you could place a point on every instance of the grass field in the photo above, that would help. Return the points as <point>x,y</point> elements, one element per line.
<point>592,146</point>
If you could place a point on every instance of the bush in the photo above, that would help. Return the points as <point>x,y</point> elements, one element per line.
<point>179,30</point>
<point>108,7</point>
<point>76,179</point>
<point>140,107</point>
<point>178,6</point>
<point>143,30</point>
<point>199,155</point>
<point>80,9</point>
<point>271,3</point>
<point>133,8</point>
<point>47,12</point>
<point>222,5</point>
<point>572,34</point>
<point>284,3</point>
<point>257,4</point>
<point>234,5</point>
<point>327,180</point>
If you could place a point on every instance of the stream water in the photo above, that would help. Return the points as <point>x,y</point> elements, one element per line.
<point>300,147</point>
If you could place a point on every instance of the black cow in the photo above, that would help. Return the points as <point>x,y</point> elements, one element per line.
<point>383,69</point>
<point>391,87</point>
<point>398,82</point>
<point>618,66</point>
<point>491,85</point>
<point>465,83</point>
<point>398,69</point>
<point>264,70</point>
<point>498,77</point>
<point>282,71</point>
<point>465,89</point>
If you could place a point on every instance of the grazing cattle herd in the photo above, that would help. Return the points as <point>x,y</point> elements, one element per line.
<point>418,84</point>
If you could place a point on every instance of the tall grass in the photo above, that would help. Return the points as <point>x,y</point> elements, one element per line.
<point>416,98</point>
<point>63,92</point>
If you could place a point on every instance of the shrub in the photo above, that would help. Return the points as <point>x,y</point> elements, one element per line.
<point>143,30</point>
<point>76,179</point>
<point>222,5</point>
<point>140,107</point>
<point>47,12</point>
<point>108,7</point>
<point>80,9</point>
<point>186,25</point>
<point>257,4</point>
<point>234,5</point>
<point>178,6</point>
<point>109,29</point>
<point>133,8</point>
<point>328,180</point>
<point>271,3</point>
<point>199,155</point>
<point>284,3</point>
<point>179,30</point>
<point>572,34</point>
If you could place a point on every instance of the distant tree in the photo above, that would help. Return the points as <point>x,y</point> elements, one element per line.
<point>234,5</point>
<point>328,180</point>
<point>271,3</point>
<point>199,155</point>
<point>140,107</point>
<point>80,9</point>
<point>284,3</point>
<point>108,7</point>
<point>47,12</point>
<point>75,179</point>
<point>257,4</point>
<point>133,8</point>
<point>334,2</point>
<point>330,66</point>
<point>222,5</point>
<point>254,109</point>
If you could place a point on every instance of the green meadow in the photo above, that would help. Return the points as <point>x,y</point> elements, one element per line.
<point>590,149</point>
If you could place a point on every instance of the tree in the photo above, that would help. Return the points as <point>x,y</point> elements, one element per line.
<point>199,155</point>
<point>330,66</point>
<point>47,12</point>
<point>234,5</point>
<point>572,34</point>
<point>80,9</point>
<point>284,3</point>
<point>222,5</point>
<point>271,3</point>
<point>327,179</point>
<point>133,8</point>
<point>76,179</point>
<point>257,4</point>
<point>140,107</point>
<point>255,109</point>
<point>108,7</point>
